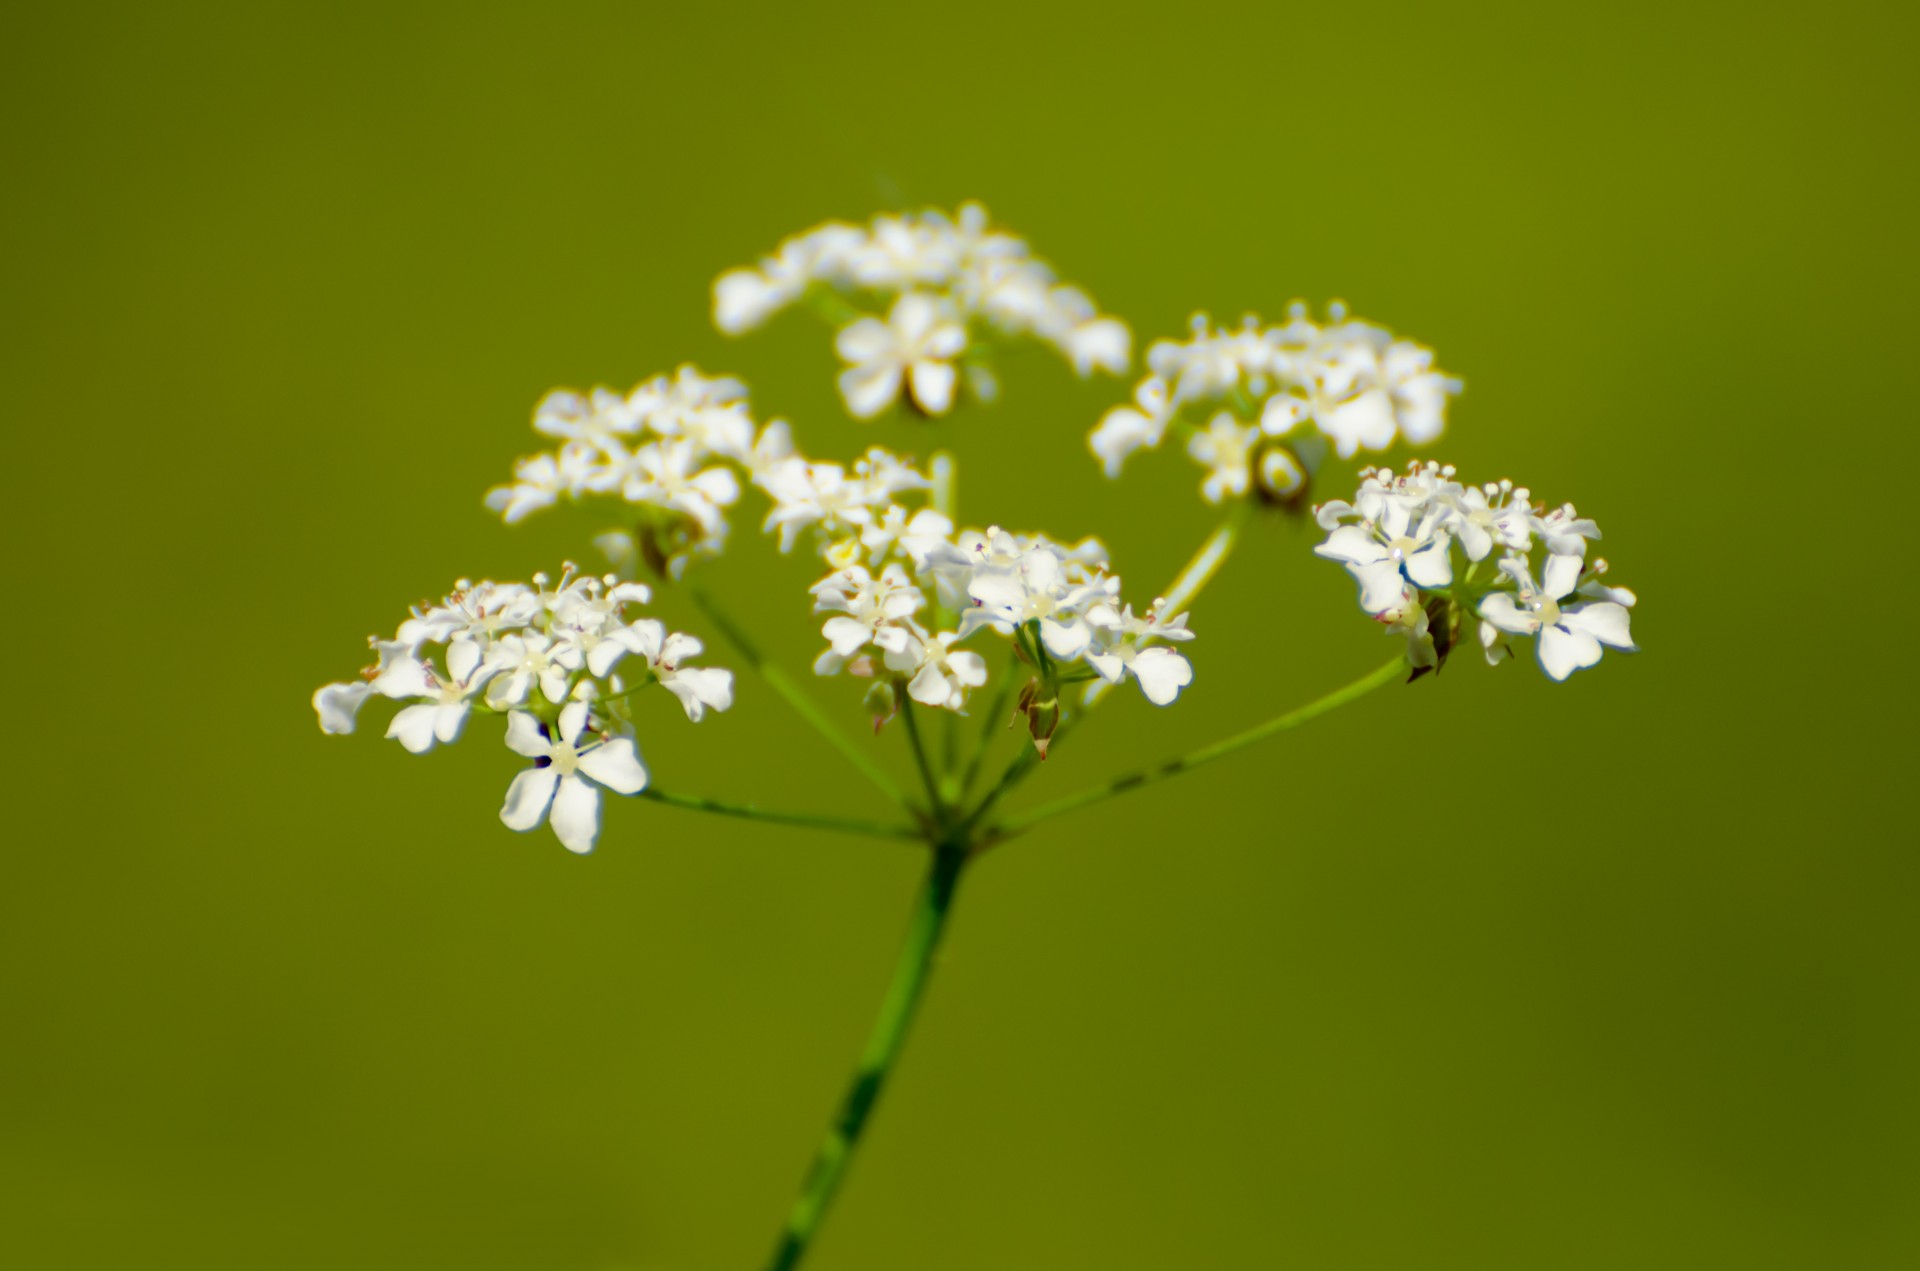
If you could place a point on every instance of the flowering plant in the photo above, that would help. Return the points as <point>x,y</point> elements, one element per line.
<point>918,609</point>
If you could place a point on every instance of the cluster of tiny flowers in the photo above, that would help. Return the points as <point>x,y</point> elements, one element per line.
<point>1398,538</point>
<point>1012,583</point>
<point>936,287</point>
<point>545,657</point>
<point>1353,382</point>
<point>674,448</point>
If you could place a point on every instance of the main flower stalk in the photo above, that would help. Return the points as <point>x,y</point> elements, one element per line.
<point>910,976</point>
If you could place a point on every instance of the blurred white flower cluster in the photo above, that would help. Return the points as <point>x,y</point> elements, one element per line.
<point>545,656</point>
<point>919,298</point>
<point>1398,538</point>
<point>674,449</point>
<point>1271,396</point>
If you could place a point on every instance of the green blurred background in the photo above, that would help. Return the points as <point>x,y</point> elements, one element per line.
<point>1488,973</point>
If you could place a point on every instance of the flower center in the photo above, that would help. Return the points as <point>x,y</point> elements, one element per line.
<point>565,758</point>
<point>1548,612</point>
<point>1401,548</point>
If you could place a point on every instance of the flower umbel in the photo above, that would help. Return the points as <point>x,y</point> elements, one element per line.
<point>542,655</point>
<point>924,621</point>
<point>1397,538</point>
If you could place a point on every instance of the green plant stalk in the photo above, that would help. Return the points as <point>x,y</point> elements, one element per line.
<point>990,722</point>
<point>1386,674</point>
<point>920,757</point>
<point>808,820</point>
<point>876,1061</point>
<point>796,697</point>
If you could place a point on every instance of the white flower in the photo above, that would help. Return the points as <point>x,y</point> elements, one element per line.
<point>662,474</point>
<point>915,536</point>
<point>1571,636</point>
<point>1564,531</point>
<point>567,776</point>
<point>1405,534</point>
<point>1226,450</point>
<point>913,349</point>
<point>1013,584</point>
<point>1120,649</point>
<point>598,418</point>
<point>695,687</point>
<point>540,481</point>
<point>868,609</point>
<point>529,658</point>
<point>1493,515</point>
<point>1102,344</point>
<point>941,675</point>
<point>745,298</point>
<point>451,696</point>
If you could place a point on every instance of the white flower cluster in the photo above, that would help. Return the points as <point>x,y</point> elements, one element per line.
<point>1356,384</point>
<point>1397,538</point>
<point>673,447</point>
<point>544,656</point>
<point>937,287</point>
<point>1059,601</point>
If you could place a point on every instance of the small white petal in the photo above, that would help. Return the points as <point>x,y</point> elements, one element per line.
<point>573,719</point>
<point>576,814</point>
<point>1605,622</point>
<point>1500,610</point>
<point>933,386</point>
<point>448,720</point>
<point>525,736</point>
<point>1431,566</point>
<point>1065,641</point>
<point>969,668</point>
<point>616,765</point>
<point>929,687</point>
<point>527,798</point>
<point>1162,674</point>
<point>463,658</point>
<point>1564,651</point>
<point>413,727</point>
<point>869,389</point>
<point>1561,575</point>
<point>339,704</point>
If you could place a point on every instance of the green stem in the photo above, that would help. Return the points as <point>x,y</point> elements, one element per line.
<point>876,1062</point>
<point>990,723</point>
<point>1022,764</point>
<point>932,782</point>
<point>1387,674</point>
<point>796,697</point>
<point>746,811</point>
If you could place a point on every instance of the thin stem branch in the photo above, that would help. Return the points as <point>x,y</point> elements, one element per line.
<point>746,811</point>
<point>1207,561</point>
<point>797,698</point>
<point>876,1061</point>
<point>1022,764</point>
<point>1386,674</point>
<point>990,722</point>
<point>911,715</point>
